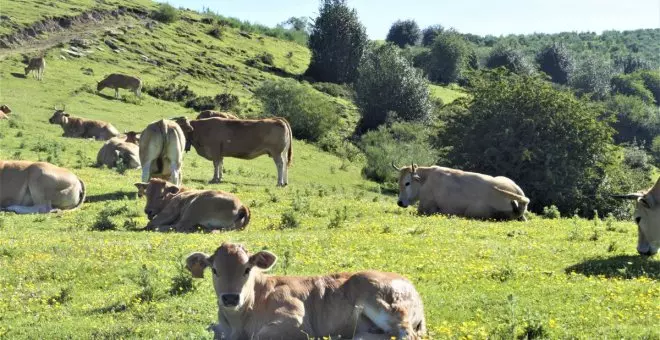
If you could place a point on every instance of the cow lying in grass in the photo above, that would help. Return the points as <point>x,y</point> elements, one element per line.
<point>170,207</point>
<point>253,305</point>
<point>121,148</point>
<point>647,217</point>
<point>83,128</point>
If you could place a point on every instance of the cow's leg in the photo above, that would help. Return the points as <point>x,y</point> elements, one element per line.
<point>163,221</point>
<point>175,176</point>
<point>280,164</point>
<point>282,328</point>
<point>117,93</point>
<point>285,169</point>
<point>217,171</point>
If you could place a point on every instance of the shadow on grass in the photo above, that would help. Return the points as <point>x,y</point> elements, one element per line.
<point>114,308</point>
<point>105,96</point>
<point>622,267</point>
<point>19,75</point>
<point>111,196</point>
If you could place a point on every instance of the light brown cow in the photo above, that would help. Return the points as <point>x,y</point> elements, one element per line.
<point>171,207</point>
<point>215,114</point>
<point>216,138</point>
<point>38,187</point>
<point>124,148</point>
<point>161,151</point>
<point>37,65</point>
<point>253,305</point>
<point>83,128</point>
<point>120,81</point>
<point>647,217</point>
<point>441,190</point>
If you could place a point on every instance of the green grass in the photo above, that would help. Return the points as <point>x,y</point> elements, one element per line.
<point>446,93</point>
<point>60,278</point>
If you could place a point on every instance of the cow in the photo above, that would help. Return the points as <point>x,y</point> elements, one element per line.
<point>120,81</point>
<point>38,187</point>
<point>161,151</point>
<point>216,138</point>
<point>647,217</point>
<point>123,148</point>
<point>441,190</point>
<point>37,65</point>
<point>217,114</point>
<point>83,128</point>
<point>254,305</point>
<point>182,209</point>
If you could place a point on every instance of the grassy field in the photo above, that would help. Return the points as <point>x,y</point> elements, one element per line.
<point>92,273</point>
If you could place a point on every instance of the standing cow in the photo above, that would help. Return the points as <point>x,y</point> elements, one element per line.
<point>647,217</point>
<point>37,66</point>
<point>216,138</point>
<point>449,191</point>
<point>120,81</point>
<point>83,128</point>
<point>161,151</point>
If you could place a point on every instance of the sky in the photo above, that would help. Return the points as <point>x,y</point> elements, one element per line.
<point>482,17</point>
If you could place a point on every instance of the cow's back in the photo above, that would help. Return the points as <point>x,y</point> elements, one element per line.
<point>117,80</point>
<point>13,181</point>
<point>21,180</point>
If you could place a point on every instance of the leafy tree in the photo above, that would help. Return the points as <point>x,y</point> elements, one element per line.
<point>511,58</point>
<point>592,76</point>
<point>337,42</point>
<point>429,34</point>
<point>632,63</point>
<point>297,23</point>
<point>449,57</point>
<point>555,146</point>
<point>403,33</point>
<point>557,62</point>
<point>651,81</point>
<point>635,120</point>
<point>632,85</point>
<point>388,83</point>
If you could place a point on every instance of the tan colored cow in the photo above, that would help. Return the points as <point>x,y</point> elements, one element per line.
<point>161,151</point>
<point>37,65</point>
<point>123,147</point>
<point>120,81</point>
<point>38,187</point>
<point>253,305</point>
<point>171,207</point>
<point>83,128</point>
<point>215,114</point>
<point>216,138</point>
<point>647,217</point>
<point>441,190</point>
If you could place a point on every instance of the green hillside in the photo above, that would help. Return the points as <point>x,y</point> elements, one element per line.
<point>91,273</point>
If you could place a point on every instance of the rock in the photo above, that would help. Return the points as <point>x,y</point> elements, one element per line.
<point>111,44</point>
<point>113,32</point>
<point>245,34</point>
<point>73,53</point>
<point>79,42</point>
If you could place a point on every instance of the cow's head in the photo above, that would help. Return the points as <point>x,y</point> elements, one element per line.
<point>59,117</point>
<point>409,185</point>
<point>184,123</point>
<point>234,271</point>
<point>158,192</point>
<point>132,137</point>
<point>647,217</point>
<point>5,109</point>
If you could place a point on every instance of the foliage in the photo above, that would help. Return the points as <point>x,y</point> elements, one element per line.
<point>404,33</point>
<point>635,120</point>
<point>226,101</point>
<point>280,32</point>
<point>388,83</point>
<point>166,13</point>
<point>551,212</point>
<point>632,85</point>
<point>335,90</point>
<point>430,33</point>
<point>652,83</point>
<point>592,76</point>
<point>171,92</point>
<point>310,114</point>
<point>510,58</point>
<point>631,63</point>
<point>449,58</point>
<point>337,42</point>
<point>557,62</point>
<point>201,103</point>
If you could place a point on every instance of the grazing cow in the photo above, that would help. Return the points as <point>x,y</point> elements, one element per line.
<point>4,112</point>
<point>253,305</point>
<point>161,151</point>
<point>37,65</point>
<point>83,128</point>
<point>647,217</point>
<point>181,209</point>
<point>215,114</point>
<point>216,138</point>
<point>454,192</point>
<point>120,81</point>
<point>38,187</point>
<point>125,148</point>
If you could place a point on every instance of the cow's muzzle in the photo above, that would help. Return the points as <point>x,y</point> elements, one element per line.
<point>230,300</point>
<point>401,204</point>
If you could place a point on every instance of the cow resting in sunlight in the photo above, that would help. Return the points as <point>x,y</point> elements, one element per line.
<point>161,151</point>
<point>215,114</point>
<point>123,148</point>
<point>254,305</point>
<point>647,217</point>
<point>82,128</point>
<point>441,190</point>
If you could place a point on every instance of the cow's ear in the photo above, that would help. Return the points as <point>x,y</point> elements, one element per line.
<point>264,260</point>
<point>196,263</point>
<point>647,202</point>
<point>172,189</point>
<point>142,187</point>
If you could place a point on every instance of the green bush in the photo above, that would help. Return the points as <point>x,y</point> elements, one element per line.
<point>592,76</point>
<point>651,81</point>
<point>448,59</point>
<point>557,62</point>
<point>310,114</point>
<point>551,212</point>
<point>171,92</point>
<point>510,58</point>
<point>632,85</point>
<point>335,90</point>
<point>430,33</point>
<point>635,120</point>
<point>165,13</point>
<point>201,103</point>
<point>226,101</point>
<point>404,33</point>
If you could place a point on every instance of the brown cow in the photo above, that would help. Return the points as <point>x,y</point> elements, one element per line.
<point>253,305</point>
<point>120,81</point>
<point>215,114</point>
<point>38,187</point>
<point>216,138</point>
<point>123,147</point>
<point>181,209</point>
<point>83,128</point>
<point>161,144</point>
<point>647,217</point>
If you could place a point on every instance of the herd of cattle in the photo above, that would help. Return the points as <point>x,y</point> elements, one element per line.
<point>365,305</point>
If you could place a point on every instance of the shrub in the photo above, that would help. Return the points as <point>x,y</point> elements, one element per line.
<point>215,32</point>
<point>557,62</point>
<point>632,63</point>
<point>510,58</point>
<point>651,81</point>
<point>171,92</point>
<point>165,13</point>
<point>632,85</point>
<point>635,120</point>
<point>289,220</point>
<point>335,90</point>
<point>388,83</point>
<point>226,101</point>
<point>592,76</point>
<point>266,58</point>
<point>337,42</point>
<point>403,33</point>
<point>310,114</point>
<point>201,103</point>
<point>551,212</point>
<point>430,33</point>
<point>449,58</point>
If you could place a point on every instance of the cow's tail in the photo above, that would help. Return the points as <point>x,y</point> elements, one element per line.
<point>242,218</point>
<point>83,194</point>
<point>289,154</point>
<point>513,196</point>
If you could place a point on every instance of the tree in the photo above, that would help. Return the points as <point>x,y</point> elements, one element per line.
<point>429,34</point>
<point>632,85</point>
<point>510,58</point>
<point>635,120</point>
<point>632,63</point>
<point>387,83</point>
<point>557,62</point>
<point>337,42</point>
<point>449,57</point>
<point>298,23</point>
<point>404,33</point>
<point>592,76</point>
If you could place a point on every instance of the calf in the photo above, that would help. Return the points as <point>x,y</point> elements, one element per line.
<point>181,209</point>
<point>37,65</point>
<point>161,144</point>
<point>253,305</point>
<point>83,128</point>
<point>647,217</point>
<point>120,81</point>
<point>120,148</point>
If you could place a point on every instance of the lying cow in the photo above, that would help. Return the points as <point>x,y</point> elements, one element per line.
<point>38,187</point>
<point>83,128</point>
<point>647,217</point>
<point>181,209</point>
<point>120,81</point>
<point>161,151</point>
<point>253,305</point>
<point>442,190</point>
<point>216,138</point>
<point>123,148</point>
<point>215,114</point>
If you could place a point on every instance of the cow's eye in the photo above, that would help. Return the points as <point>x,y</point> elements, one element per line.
<point>638,219</point>
<point>247,271</point>
<point>214,271</point>
<point>407,183</point>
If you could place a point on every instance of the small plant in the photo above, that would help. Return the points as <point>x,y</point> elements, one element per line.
<point>503,274</point>
<point>147,293</point>
<point>266,58</point>
<point>201,103</point>
<point>215,32</point>
<point>60,298</point>
<point>338,220</point>
<point>226,101</point>
<point>286,261</point>
<point>171,92</point>
<point>289,220</point>
<point>182,282</point>
<point>165,13</point>
<point>103,219</point>
<point>272,197</point>
<point>551,212</point>
<point>81,160</point>
<point>120,165</point>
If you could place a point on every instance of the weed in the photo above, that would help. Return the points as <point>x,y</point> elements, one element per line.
<point>289,220</point>
<point>551,212</point>
<point>286,261</point>
<point>81,160</point>
<point>166,13</point>
<point>147,291</point>
<point>503,274</point>
<point>271,196</point>
<point>338,220</point>
<point>182,282</point>
<point>62,297</point>
<point>103,220</point>
<point>215,32</point>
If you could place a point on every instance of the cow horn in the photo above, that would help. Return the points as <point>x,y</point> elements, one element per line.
<point>395,167</point>
<point>628,196</point>
<point>413,167</point>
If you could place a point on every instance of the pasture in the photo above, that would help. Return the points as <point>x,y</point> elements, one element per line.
<point>92,273</point>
